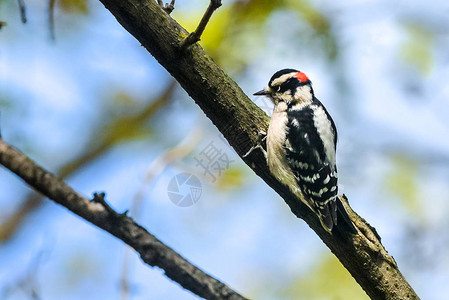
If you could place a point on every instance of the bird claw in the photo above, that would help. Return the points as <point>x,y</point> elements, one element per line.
<point>257,146</point>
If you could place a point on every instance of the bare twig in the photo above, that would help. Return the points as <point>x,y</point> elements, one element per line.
<point>100,198</point>
<point>195,36</point>
<point>167,7</point>
<point>22,8</point>
<point>151,250</point>
<point>29,283</point>
<point>2,24</point>
<point>51,18</point>
<point>182,149</point>
<point>125,286</point>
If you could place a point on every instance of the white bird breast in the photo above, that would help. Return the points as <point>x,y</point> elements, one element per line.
<point>275,147</point>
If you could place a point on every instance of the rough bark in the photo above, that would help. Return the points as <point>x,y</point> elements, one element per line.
<point>151,250</point>
<point>241,121</point>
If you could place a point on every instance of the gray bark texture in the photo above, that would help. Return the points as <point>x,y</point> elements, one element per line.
<point>242,122</point>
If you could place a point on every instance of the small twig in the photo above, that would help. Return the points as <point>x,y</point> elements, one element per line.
<point>195,36</point>
<point>29,283</point>
<point>99,198</point>
<point>167,7</point>
<point>22,11</point>
<point>125,286</point>
<point>2,24</point>
<point>51,19</point>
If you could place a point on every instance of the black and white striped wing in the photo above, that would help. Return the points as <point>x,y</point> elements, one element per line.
<point>310,152</point>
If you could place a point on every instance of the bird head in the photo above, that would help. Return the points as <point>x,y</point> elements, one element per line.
<point>289,86</point>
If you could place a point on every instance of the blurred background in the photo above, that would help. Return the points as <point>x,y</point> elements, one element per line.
<point>80,96</point>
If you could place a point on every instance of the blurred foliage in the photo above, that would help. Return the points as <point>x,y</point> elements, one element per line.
<point>73,6</point>
<point>402,183</point>
<point>9,226</point>
<point>227,37</point>
<point>120,128</point>
<point>231,178</point>
<point>326,280</point>
<point>81,266</point>
<point>417,49</point>
<point>123,99</point>
<point>5,103</point>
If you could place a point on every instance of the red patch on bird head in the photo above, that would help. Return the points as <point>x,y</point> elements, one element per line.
<point>301,76</point>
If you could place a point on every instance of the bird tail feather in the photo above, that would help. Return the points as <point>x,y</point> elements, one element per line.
<point>343,215</point>
<point>335,211</point>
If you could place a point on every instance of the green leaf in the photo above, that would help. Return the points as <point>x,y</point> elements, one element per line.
<point>402,183</point>
<point>328,279</point>
<point>74,6</point>
<point>231,178</point>
<point>417,49</point>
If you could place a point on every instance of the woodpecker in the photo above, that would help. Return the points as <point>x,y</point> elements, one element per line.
<point>301,145</point>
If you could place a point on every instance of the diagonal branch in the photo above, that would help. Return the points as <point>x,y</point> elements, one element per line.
<point>152,251</point>
<point>195,36</point>
<point>241,121</point>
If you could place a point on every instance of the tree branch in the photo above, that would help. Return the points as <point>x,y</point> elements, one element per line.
<point>241,121</point>
<point>195,36</point>
<point>98,212</point>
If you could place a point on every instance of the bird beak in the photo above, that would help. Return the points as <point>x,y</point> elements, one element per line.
<point>261,93</point>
